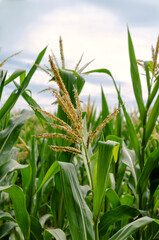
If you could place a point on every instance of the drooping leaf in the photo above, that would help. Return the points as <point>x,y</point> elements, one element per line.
<point>6,228</point>
<point>9,166</point>
<point>44,218</point>
<point>9,135</point>
<point>6,216</point>
<point>58,234</point>
<point>8,105</point>
<point>129,158</point>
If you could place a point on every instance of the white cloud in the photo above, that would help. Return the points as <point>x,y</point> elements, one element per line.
<point>96,32</point>
<point>95,90</point>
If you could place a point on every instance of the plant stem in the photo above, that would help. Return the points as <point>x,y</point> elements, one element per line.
<point>96,229</point>
<point>89,168</point>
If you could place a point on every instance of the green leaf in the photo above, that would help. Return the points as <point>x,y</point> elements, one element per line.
<point>151,162</point>
<point>14,75</point>
<point>21,214</point>
<point>118,123</point>
<point>26,178</point>
<point>6,228</point>
<point>32,70</point>
<point>3,75</point>
<point>79,215</point>
<point>129,159</point>
<point>113,197</point>
<point>57,233</point>
<point>108,129</point>
<point>9,166</point>
<point>6,216</point>
<point>44,218</point>
<point>105,155</point>
<point>50,173</point>
<point>152,120</point>
<point>114,138</point>
<point>9,135</point>
<point>153,93</point>
<point>132,132</point>
<point>116,214</point>
<point>127,200</point>
<point>135,78</point>
<point>132,227</point>
<point>35,228</point>
<point>146,66</point>
<point>33,104</point>
<point>16,93</point>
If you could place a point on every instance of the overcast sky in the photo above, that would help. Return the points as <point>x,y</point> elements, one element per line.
<point>96,27</point>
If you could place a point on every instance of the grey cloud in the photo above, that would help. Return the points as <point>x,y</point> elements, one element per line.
<point>134,13</point>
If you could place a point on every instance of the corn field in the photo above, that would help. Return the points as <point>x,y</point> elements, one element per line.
<point>74,174</point>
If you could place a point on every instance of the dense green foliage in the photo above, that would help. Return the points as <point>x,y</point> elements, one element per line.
<point>105,187</point>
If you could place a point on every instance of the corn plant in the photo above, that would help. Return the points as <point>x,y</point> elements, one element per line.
<point>78,177</point>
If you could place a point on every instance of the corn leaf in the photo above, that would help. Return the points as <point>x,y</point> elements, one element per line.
<point>58,234</point>
<point>33,104</point>
<point>9,166</point>
<point>6,228</point>
<point>129,159</point>
<point>151,163</point>
<point>44,218</point>
<point>32,70</point>
<point>15,74</point>
<point>146,64</point>
<point>6,216</point>
<point>153,93</point>
<point>50,173</point>
<point>105,155</point>
<point>152,120</point>
<point>9,135</point>
<point>135,78</point>
<point>21,214</point>
<point>3,75</point>
<point>108,129</point>
<point>113,198</point>
<point>116,214</point>
<point>79,215</point>
<point>35,228</point>
<point>8,105</point>
<point>132,227</point>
